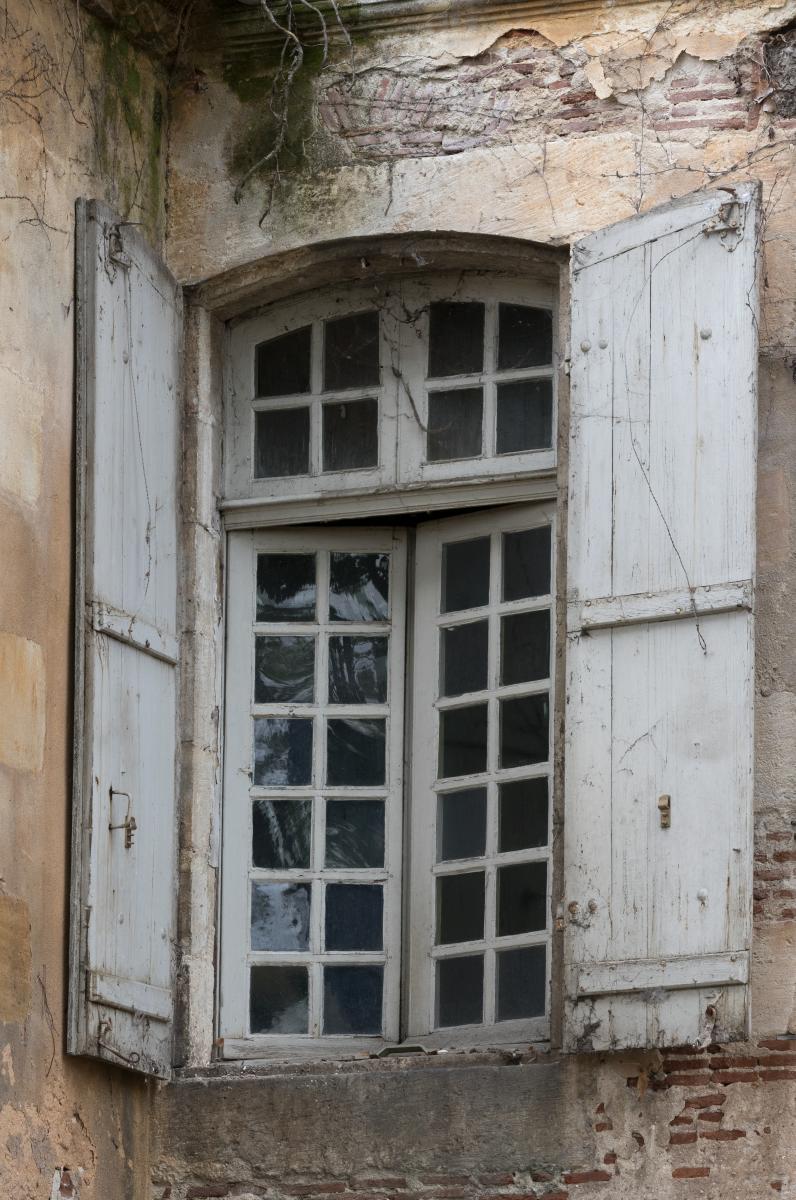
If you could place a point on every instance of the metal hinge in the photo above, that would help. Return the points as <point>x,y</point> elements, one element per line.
<point>728,223</point>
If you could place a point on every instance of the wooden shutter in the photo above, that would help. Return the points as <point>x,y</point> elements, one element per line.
<point>660,578</point>
<point>124,820</point>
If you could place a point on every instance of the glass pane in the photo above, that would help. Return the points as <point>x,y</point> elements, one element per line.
<point>352,999</point>
<point>282,751</point>
<point>522,901</point>
<point>461,824</point>
<point>525,337</point>
<point>464,650</point>
<point>354,916</point>
<point>525,647</point>
<point>284,669</point>
<point>280,916</point>
<point>355,753</point>
<point>283,364</point>
<point>455,420</point>
<point>359,587</point>
<point>521,983</point>
<point>460,990</point>
<point>526,563</point>
<point>350,435</point>
<point>523,731</point>
<point>465,574</point>
<point>460,908</point>
<point>285,587</point>
<point>523,814</point>
<point>462,741</point>
<point>281,442</point>
<point>354,833</point>
<point>455,338</point>
<point>279,1000</point>
<point>281,834</point>
<point>358,670</point>
<point>524,415</point>
<point>351,351</point>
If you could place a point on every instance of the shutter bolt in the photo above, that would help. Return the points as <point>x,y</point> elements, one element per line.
<point>603,344</point>
<point>702,896</point>
<point>592,906</point>
<point>706,334</point>
<point>585,347</point>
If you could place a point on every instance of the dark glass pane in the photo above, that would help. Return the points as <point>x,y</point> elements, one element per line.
<point>355,753</point>
<point>455,338</point>
<point>358,670</point>
<point>354,833</point>
<point>281,834</point>
<point>351,351</point>
<point>465,574</point>
<point>522,900</point>
<point>285,587</point>
<point>524,415</point>
<point>524,647</point>
<point>460,908</point>
<point>350,435</point>
<point>455,420</point>
<point>283,364</point>
<point>461,828</point>
<point>352,999</point>
<point>525,337</point>
<point>463,741</point>
<point>521,983</point>
<point>354,916</point>
<point>280,916</point>
<point>281,442</point>
<point>282,751</point>
<point>284,669</point>
<point>460,990</point>
<point>523,731</point>
<point>359,587</point>
<point>464,658</point>
<point>523,814</point>
<point>279,1000</point>
<point>526,563</point>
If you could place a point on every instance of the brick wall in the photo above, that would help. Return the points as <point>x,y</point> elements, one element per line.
<point>774,872</point>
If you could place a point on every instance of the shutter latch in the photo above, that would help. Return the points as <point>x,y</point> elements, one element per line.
<point>128,824</point>
<point>665,810</point>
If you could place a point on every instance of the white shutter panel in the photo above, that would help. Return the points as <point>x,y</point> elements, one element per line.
<point>124,834</point>
<point>659,612</point>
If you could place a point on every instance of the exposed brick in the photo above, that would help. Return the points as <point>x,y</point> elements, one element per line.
<point>710,1114</point>
<point>779,835</point>
<point>695,1063</point>
<point>320,1188</point>
<point>541,1177</point>
<point>379,1181</point>
<point>788,914</point>
<point>681,1120</point>
<point>709,1101</point>
<point>734,1077</point>
<point>207,1191</point>
<point>637,1138</point>
<point>587,1177</point>
<point>601,1126</point>
<point>776,1185</point>
<point>678,1080</point>
<point>778,1060</point>
<point>445,1180</point>
<point>771,1076</point>
<point>681,1050</point>
<point>721,1063</point>
<point>690,1172</point>
<point>722,1135</point>
<point>784,856</point>
<point>600,1108</point>
<point>706,94</point>
<point>609,1158</point>
<point>682,1139</point>
<point>786,1043</point>
<point>770,875</point>
<point>504,1179</point>
<point>785,894</point>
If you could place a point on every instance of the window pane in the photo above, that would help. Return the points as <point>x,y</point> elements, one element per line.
<point>354,833</point>
<point>526,563</point>
<point>350,435</point>
<point>463,741</point>
<point>352,999</point>
<point>523,814</point>
<point>281,442</point>
<point>285,587</point>
<point>522,901</point>
<point>351,351</point>
<point>280,916</point>
<point>282,751</point>
<point>359,587</point>
<point>523,731</point>
<point>461,824</point>
<point>354,916</point>
<point>455,420</point>
<point>525,337</point>
<point>524,415</point>
<point>460,990</point>
<point>460,908</point>
<point>464,651</point>
<point>355,753</point>
<point>455,338</point>
<point>279,1000</point>
<point>283,364</point>
<point>525,647</point>
<point>284,669</point>
<point>521,983</point>
<point>358,670</point>
<point>465,574</point>
<point>281,834</point>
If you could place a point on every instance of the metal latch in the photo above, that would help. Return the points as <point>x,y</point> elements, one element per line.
<point>728,223</point>
<point>665,810</point>
<point>128,824</point>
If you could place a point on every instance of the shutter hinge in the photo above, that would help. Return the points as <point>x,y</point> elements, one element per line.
<point>728,223</point>
<point>103,1030</point>
<point>116,251</point>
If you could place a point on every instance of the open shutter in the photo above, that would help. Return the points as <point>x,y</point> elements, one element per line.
<point>124,834</point>
<point>658,792</point>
